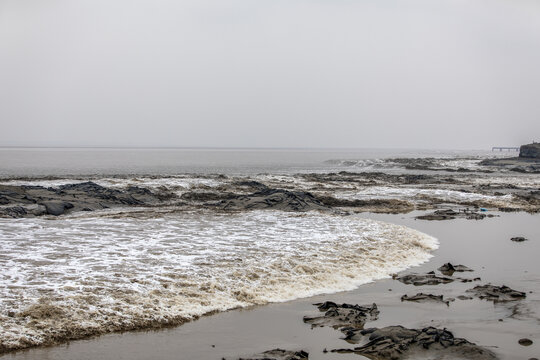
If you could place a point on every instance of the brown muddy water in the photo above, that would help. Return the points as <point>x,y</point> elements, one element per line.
<point>482,245</point>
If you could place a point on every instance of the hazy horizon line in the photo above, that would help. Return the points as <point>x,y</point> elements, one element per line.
<point>4,147</point>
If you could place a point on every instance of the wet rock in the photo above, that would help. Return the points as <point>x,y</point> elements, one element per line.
<point>421,297</point>
<point>56,208</point>
<point>398,342</point>
<point>38,200</point>
<point>449,214</point>
<point>449,269</point>
<point>204,196</point>
<point>344,315</point>
<point>525,342</point>
<point>424,279</point>
<point>279,354</point>
<point>530,165</point>
<point>518,239</point>
<point>14,212</point>
<point>389,206</point>
<point>39,210</point>
<point>251,184</point>
<point>496,293</point>
<point>277,199</point>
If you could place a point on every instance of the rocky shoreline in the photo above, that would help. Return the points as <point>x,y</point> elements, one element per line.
<point>427,197</point>
<point>450,195</point>
<point>375,330</point>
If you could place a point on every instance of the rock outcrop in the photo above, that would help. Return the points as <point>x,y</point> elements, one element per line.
<point>449,269</point>
<point>496,293</point>
<point>398,342</point>
<point>344,315</point>
<point>277,199</point>
<point>449,214</point>
<point>84,196</point>
<point>530,151</point>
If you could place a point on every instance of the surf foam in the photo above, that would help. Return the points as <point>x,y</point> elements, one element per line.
<point>86,275</point>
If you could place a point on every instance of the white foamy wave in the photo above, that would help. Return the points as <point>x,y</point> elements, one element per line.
<point>417,193</point>
<point>82,276</point>
<point>178,183</point>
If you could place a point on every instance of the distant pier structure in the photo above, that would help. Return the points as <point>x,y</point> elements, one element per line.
<point>506,148</point>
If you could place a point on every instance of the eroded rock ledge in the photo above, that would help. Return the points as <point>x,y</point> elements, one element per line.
<point>23,201</point>
<point>338,316</point>
<point>398,342</point>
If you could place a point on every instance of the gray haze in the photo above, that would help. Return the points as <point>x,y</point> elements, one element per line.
<point>270,73</point>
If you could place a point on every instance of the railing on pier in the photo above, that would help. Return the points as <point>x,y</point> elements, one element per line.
<point>501,148</point>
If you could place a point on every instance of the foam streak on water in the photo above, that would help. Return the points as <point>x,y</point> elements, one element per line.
<point>83,275</point>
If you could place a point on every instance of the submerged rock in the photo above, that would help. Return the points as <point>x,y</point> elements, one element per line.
<point>449,269</point>
<point>344,315</point>
<point>496,293</point>
<point>279,354</point>
<point>421,297</point>
<point>398,342</point>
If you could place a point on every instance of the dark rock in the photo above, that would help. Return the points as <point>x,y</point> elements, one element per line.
<point>496,293</point>
<point>397,342</point>
<point>530,165</point>
<point>449,269</point>
<point>278,199</point>
<point>421,297</point>
<point>251,184</point>
<point>518,239</point>
<point>389,206</point>
<point>424,279</point>
<point>14,211</point>
<point>88,187</point>
<point>56,208</point>
<point>200,196</point>
<point>449,214</point>
<point>530,151</point>
<point>525,342</point>
<point>39,210</point>
<point>38,200</point>
<point>344,315</point>
<point>279,354</point>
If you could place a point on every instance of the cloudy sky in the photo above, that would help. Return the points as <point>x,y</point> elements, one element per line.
<point>270,73</point>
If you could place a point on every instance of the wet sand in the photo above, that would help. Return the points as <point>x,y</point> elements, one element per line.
<point>483,245</point>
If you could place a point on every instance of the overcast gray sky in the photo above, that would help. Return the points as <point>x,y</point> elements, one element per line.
<point>270,73</point>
